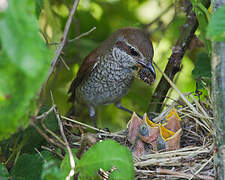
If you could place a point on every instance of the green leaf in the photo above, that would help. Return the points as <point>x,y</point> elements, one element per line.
<point>43,165</point>
<point>51,171</point>
<point>15,108</point>
<point>24,65</point>
<point>106,155</point>
<point>50,121</point>
<point>4,174</point>
<point>51,167</point>
<point>216,27</point>
<point>65,165</point>
<point>21,40</point>
<point>38,7</point>
<point>34,140</point>
<point>203,19</point>
<point>28,167</point>
<point>202,66</point>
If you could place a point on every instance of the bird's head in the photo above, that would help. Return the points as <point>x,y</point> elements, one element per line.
<point>134,51</point>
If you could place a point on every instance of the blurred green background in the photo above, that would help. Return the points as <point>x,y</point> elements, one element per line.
<point>30,32</point>
<point>37,28</point>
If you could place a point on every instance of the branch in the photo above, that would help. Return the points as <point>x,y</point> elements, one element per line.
<point>218,89</point>
<point>104,133</point>
<point>49,139</point>
<point>58,52</point>
<point>63,42</point>
<point>194,110</point>
<point>72,161</point>
<point>173,66</point>
<point>82,35</point>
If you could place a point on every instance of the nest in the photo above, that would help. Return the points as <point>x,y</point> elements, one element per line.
<point>194,158</point>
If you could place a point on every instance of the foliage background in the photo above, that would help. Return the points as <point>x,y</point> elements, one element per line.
<point>108,16</point>
<point>29,33</point>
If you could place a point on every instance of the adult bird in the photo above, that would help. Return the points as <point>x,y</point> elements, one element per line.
<point>107,73</point>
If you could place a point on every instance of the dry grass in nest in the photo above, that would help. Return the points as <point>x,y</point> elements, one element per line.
<point>194,160</point>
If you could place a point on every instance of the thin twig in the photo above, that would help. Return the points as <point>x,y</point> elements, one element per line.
<point>203,111</point>
<point>53,151</point>
<point>174,63</point>
<point>104,133</point>
<point>81,35</point>
<point>63,42</point>
<point>67,67</point>
<point>178,91</point>
<point>40,154</point>
<point>51,132</point>
<point>170,160</point>
<point>202,124</point>
<point>76,38</point>
<point>195,174</point>
<point>44,36</point>
<point>200,107</point>
<point>183,97</point>
<point>181,174</point>
<point>43,115</point>
<point>83,124</point>
<point>72,161</point>
<point>45,135</point>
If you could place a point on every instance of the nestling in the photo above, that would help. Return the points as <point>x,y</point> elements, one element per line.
<point>107,73</point>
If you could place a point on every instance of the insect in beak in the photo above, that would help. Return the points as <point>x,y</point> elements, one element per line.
<point>146,72</point>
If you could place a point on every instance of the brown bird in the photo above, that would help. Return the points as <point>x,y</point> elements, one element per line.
<point>107,73</point>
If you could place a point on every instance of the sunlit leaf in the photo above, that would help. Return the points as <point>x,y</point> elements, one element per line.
<point>106,155</point>
<point>24,64</point>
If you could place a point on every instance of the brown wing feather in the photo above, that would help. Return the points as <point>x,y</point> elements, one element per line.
<point>83,72</point>
<point>88,64</point>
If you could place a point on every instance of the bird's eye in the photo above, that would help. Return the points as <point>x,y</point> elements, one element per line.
<point>135,68</point>
<point>134,52</point>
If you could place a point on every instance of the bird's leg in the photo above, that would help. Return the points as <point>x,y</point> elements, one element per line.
<point>119,105</point>
<point>92,115</point>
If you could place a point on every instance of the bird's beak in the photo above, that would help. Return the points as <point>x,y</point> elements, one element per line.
<point>149,66</point>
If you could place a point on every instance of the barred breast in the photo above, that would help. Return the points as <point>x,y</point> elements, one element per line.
<point>108,83</point>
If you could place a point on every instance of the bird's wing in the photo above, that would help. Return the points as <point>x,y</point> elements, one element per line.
<point>85,69</point>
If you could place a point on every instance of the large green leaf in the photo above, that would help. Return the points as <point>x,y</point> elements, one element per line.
<point>203,18</point>
<point>27,167</point>
<point>51,167</point>
<point>202,66</point>
<point>216,27</point>
<point>52,172</point>
<point>106,155</point>
<point>36,166</point>
<point>24,64</point>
